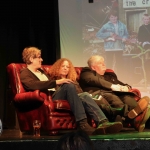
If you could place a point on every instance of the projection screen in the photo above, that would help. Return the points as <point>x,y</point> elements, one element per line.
<point>84,32</point>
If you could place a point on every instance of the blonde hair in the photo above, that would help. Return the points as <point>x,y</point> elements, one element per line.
<point>93,60</point>
<point>54,70</point>
<point>30,52</point>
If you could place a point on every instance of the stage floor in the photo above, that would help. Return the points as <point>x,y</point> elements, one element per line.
<point>127,139</point>
<point>125,134</point>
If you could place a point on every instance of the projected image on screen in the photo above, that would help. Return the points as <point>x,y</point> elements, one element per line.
<point>119,30</point>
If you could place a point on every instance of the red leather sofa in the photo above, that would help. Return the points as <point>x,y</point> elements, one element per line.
<point>55,116</point>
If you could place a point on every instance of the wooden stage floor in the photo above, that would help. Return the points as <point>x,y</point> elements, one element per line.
<point>127,139</point>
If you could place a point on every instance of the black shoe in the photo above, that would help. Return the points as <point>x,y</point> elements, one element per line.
<point>109,128</point>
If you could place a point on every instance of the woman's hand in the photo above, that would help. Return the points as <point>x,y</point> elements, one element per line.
<point>64,80</point>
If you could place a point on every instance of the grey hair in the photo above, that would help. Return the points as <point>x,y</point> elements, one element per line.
<point>94,59</point>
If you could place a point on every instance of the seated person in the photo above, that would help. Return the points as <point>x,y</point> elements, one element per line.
<point>94,78</point>
<point>33,78</point>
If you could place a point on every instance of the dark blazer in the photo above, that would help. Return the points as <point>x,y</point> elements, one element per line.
<point>90,81</point>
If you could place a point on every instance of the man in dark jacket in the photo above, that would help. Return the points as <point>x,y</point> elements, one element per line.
<point>144,32</point>
<point>95,79</point>
<point>144,41</point>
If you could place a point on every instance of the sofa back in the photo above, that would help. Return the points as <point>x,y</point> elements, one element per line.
<point>14,70</point>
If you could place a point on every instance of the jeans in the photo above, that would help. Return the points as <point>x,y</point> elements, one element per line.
<point>91,107</point>
<point>80,105</point>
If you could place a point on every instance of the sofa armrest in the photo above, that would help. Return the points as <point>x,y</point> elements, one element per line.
<point>29,96</point>
<point>62,105</point>
<point>136,92</point>
<point>29,100</point>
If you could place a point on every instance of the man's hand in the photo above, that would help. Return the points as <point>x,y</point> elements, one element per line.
<point>118,87</point>
<point>115,87</point>
<point>61,81</point>
<point>124,88</point>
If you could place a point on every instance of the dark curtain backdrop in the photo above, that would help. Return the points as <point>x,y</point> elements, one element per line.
<point>22,24</point>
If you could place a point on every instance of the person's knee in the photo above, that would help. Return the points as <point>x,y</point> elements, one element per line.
<point>84,95</point>
<point>69,87</point>
<point>113,100</point>
<point>111,97</point>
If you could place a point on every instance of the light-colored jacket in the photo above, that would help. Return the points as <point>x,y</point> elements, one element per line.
<point>105,32</point>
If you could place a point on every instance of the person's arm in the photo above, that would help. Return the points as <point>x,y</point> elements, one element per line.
<point>114,79</point>
<point>126,34</point>
<point>31,82</point>
<point>140,35</point>
<point>90,79</point>
<point>103,33</point>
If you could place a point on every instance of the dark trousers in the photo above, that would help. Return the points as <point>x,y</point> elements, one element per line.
<point>118,101</point>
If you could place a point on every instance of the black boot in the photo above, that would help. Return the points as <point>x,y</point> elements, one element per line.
<point>83,125</point>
